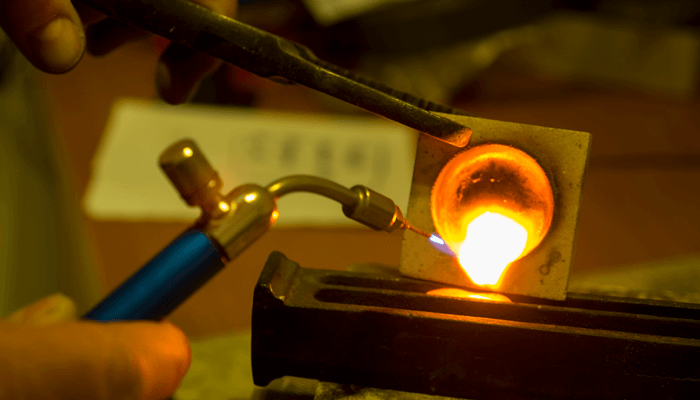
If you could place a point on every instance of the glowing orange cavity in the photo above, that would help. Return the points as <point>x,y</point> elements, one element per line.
<point>491,204</point>
<point>492,242</point>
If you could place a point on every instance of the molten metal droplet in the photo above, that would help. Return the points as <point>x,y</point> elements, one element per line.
<point>492,242</point>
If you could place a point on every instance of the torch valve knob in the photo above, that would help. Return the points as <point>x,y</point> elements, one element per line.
<point>194,178</point>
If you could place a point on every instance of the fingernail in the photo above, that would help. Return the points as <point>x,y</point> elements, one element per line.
<point>58,45</point>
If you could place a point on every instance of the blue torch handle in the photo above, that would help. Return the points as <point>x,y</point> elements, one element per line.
<point>165,282</point>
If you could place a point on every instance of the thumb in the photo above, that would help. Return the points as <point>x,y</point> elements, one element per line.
<point>92,360</point>
<point>48,32</point>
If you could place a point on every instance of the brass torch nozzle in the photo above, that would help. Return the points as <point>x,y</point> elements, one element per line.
<point>360,203</point>
<point>377,211</point>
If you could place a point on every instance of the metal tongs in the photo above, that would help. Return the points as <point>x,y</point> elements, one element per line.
<point>268,55</point>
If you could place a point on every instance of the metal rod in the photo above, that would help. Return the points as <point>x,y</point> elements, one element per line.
<point>266,55</point>
<point>314,184</point>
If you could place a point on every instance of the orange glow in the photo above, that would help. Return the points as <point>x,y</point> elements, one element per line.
<point>492,242</point>
<point>491,204</point>
<point>454,292</point>
<point>187,152</point>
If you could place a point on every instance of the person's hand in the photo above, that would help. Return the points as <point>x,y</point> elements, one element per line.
<point>50,34</point>
<point>45,353</point>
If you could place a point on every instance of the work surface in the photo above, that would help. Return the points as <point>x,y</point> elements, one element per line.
<point>633,210</point>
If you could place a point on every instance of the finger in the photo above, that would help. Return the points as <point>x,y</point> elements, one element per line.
<point>107,35</point>
<point>181,70</point>
<point>48,32</point>
<point>49,310</point>
<point>92,360</point>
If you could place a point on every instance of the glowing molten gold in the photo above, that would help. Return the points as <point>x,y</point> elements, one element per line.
<point>493,241</point>
<point>491,204</point>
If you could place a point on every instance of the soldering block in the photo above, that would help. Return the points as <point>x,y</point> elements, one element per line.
<point>544,272</point>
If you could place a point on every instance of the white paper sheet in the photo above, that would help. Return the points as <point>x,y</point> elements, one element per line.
<point>245,146</point>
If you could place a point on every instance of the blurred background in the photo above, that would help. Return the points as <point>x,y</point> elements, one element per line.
<point>624,70</point>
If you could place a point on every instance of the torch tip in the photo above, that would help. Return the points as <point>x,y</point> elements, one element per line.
<point>418,231</point>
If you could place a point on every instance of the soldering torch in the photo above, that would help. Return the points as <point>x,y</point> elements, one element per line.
<point>229,223</point>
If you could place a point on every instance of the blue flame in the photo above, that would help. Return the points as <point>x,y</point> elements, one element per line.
<point>437,239</point>
<point>439,244</point>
